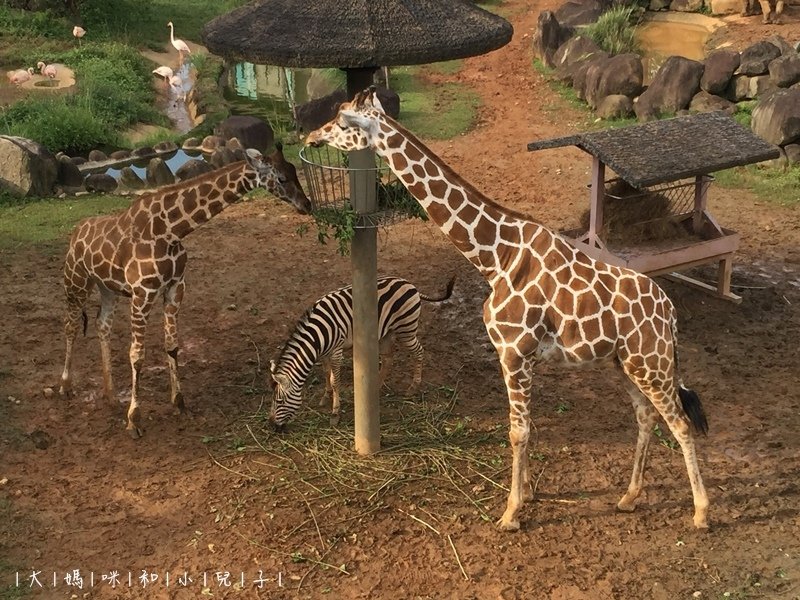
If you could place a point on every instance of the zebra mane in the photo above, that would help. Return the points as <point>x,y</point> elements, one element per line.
<point>300,325</point>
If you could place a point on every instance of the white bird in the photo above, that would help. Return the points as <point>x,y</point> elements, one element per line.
<point>177,84</point>
<point>20,76</point>
<point>47,70</point>
<point>164,72</point>
<point>179,45</point>
<point>78,32</point>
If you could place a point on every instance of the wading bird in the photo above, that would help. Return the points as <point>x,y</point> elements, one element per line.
<point>178,44</point>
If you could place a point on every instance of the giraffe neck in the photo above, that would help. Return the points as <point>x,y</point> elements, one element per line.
<point>188,205</point>
<point>474,223</point>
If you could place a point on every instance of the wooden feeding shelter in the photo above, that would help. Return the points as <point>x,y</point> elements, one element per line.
<point>663,172</point>
<point>358,36</point>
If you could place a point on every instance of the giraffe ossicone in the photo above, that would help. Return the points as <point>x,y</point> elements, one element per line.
<point>549,301</point>
<point>138,253</point>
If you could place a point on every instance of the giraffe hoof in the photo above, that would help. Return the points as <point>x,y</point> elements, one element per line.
<point>334,421</point>
<point>508,525</point>
<point>178,402</point>
<point>135,432</point>
<point>65,392</point>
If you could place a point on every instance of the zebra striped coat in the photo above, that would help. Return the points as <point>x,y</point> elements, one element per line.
<point>326,329</point>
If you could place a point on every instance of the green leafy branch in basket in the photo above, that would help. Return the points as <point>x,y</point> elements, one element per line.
<point>340,222</point>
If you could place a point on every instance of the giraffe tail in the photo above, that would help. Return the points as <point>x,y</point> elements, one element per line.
<point>85,321</point>
<point>693,408</point>
<point>447,293</point>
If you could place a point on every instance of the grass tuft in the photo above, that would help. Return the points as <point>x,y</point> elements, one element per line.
<point>615,30</point>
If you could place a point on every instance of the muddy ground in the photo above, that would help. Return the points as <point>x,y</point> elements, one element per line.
<point>299,516</point>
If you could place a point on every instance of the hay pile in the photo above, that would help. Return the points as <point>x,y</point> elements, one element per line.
<point>632,217</point>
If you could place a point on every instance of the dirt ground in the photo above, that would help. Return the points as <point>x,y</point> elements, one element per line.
<point>215,491</point>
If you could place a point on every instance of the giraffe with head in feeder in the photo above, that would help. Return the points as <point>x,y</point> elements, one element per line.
<point>139,254</point>
<point>549,302</point>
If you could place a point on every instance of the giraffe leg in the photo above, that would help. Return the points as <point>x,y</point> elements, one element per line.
<point>334,380</point>
<point>78,287</point>
<point>666,401</point>
<point>104,323</point>
<point>141,304</point>
<point>646,417</point>
<point>173,297</point>
<point>517,375</point>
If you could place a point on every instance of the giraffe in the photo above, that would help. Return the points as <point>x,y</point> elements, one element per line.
<point>138,254</point>
<point>549,301</point>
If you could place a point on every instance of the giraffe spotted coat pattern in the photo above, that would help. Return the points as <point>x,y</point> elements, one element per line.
<point>549,301</point>
<point>138,254</point>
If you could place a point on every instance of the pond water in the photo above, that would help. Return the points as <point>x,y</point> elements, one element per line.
<point>271,93</point>
<point>673,34</point>
<point>174,161</point>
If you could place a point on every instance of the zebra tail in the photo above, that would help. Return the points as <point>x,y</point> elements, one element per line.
<point>447,293</point>
<point>693,408</point>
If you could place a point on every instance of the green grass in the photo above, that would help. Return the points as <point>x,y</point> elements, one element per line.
<point>615,30</point>
<point>44,221</point>
<point>770,184</point>
<point>439,112</point>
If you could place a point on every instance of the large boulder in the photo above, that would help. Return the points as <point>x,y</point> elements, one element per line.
<point>672,88</point>
<point>572,53</point>
<point>222,156</point>
<point>720,67</point>
<point>251,131</point>
<point>705,102</point>
<point>97,156</point>
<point>314,114</point>
<point>69,176</point>
<point>158,173</point>
<point>784,71</point>
<point>686,5</point>
<point>100,182</point>
<point>784,46</point>
<point>574,13</point>
<point>192,168</point>
<point>26,167</point>
<point>725,7</point>
<point>582,70</point>
<point>777,117</point>
<point>130,179</point>
<point>621,74</point>
<point>756,58</point>
<point>615,106</point>
<point>548,37</point>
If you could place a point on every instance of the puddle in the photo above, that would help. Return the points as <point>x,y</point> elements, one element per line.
<point>674,34</point>
<point>10,93</point>
<point>172,100</point>
<point>174,161</point>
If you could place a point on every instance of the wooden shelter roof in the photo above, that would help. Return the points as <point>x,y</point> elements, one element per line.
<point>670,149</point>
<point>355,33</point>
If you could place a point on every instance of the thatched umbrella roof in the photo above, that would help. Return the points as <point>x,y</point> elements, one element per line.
<point>355,33</point>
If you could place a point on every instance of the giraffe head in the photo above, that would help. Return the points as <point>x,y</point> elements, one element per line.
<point>279,177</point>
<point>355,125</point>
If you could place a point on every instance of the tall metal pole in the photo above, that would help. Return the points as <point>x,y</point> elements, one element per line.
<point>364,255</point>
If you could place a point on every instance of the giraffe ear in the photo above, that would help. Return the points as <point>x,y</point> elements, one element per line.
<point>254,158</point>
<point>353,119</point>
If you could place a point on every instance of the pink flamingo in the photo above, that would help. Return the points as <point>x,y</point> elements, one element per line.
<point>47,70</point>
<point>178,44</point>
<point>177,84</point>
<point>165,73</point>
<point>78,32</point>
<point>20,76</point>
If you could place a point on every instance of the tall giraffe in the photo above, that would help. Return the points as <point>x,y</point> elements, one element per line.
<point>549,301</point>
<point>138,253</point>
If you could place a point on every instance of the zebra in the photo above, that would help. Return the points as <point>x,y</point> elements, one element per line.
<point>326,329</point>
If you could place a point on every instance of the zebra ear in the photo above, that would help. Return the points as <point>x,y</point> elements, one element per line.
<point>272,366</point>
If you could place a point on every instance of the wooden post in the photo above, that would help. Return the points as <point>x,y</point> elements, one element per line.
<point>364,255</point>
<point>700,201</point>
<point>597,197</point>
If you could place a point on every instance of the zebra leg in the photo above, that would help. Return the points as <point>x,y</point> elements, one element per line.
<point>335,376</point>
<point>328,395</point>
<point>386,358</point>
<point>411,343</point>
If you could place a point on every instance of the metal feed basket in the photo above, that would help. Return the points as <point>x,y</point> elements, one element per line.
<point>332,183</point>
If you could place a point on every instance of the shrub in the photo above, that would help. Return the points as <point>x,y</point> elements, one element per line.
<point>615,30</point>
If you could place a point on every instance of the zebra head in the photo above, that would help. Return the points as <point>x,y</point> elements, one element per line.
<point>286,397</point>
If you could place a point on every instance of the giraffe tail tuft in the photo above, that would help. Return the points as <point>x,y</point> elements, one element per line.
<point>85,322</point>
<point>693,408</point>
